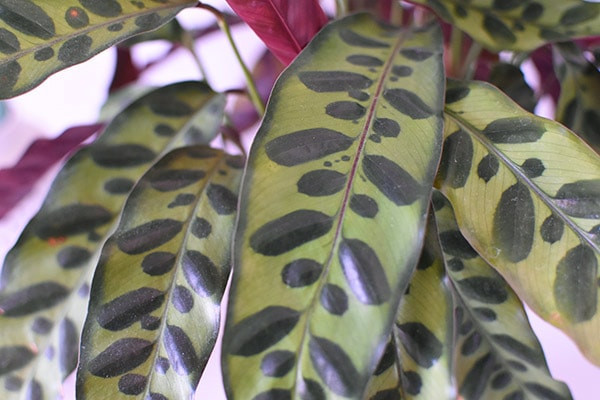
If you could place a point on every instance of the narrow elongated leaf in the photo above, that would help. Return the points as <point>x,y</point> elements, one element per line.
<point>497,355</point>
<point>174,239</point>
<point>59,246</point>
<point>285,26</point>
<point>18,180</point>
<point>38,38</point>
<point>526,192</point>
<point>578,106</point>
<point>520,25</point>
<point>333,209</point>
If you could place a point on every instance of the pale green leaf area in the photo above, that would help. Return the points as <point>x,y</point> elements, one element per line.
<point>38,38</point>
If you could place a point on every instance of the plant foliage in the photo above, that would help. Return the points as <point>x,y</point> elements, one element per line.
<point>393,214</point>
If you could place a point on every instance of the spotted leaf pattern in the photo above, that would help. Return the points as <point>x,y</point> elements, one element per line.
<point>534,212</point>
<point>578,108</point>
<point>151,326</point>
<point>329,180</point>
<point>519,25</point>
<point>497,355</point>
<point>38,38</point>
<point>59,246</point>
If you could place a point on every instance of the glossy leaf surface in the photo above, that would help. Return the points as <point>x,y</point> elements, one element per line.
<point>497,355</point>
<point>38,38</point>
<point>155,301</point>
<point>578,106</point>
<point>55,252</point>
<point>520,25</point>
<point>526,192</point>
<point>284,26</point>
<point>332,211</point>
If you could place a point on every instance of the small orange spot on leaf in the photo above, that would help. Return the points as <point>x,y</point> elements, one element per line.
<point>56,241</point>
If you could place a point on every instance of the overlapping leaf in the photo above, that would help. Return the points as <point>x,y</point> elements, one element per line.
<point>285,26</point>
<point>526,192</point>
<point>519,25</point>
<point>497,355</point>
<point>579,105</point>
<point>38,38</point>
<point>59,246</point>
<point>155,302</point>
<point>332,211</point>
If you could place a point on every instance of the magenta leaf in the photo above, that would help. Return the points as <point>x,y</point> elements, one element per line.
<point>284,26</point>
<point>17,181</point>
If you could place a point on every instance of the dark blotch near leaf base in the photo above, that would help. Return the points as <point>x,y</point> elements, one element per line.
<point>166,180</point>
<point>386,127</point>
<point>363,271</point>
<point>387,359</point>
<point>158,263</point>
<point>277,363</point>
<point>471,344</point>
<point>354,39</point>
<point>580,199</point>
<point>121,155</point>
<point>118,185</point>
<point>68,339</point>
<point>485,314</point>
<point>201,228</point>
<point>71,220</point>
<point>9,75</point>
<point>71,257</point>
<point>420,343</point>
<point>148,236</point>
<point>306,145</point>
<point>514,223</point>
<point>301,272</point>
<point>44,54</point>
<point>402,70</point>
<point>364,60</point>
<point>412,382</point>
<point>334,299</point>
<point>259,331</point>
<point>120,357</point>
<point>9,43</point>
<point>348,110</point>
<point>165,103</point>
<point>222,200</point>
<point>132,384</point>
<point>484,289</point>
<point>182,299</point>
<point>76,17</point>
<point>501,380</point>
<point>456,93</point>
<point>128,308</point>
<point>498,30</point>
<point>290,231</point>
<point>575,288</point>
<point>180,351</point>
<point>514,130</point>
<point>334,81</point>
<point>533,167</point>
<point>310,389</point>
<point>579,13</point>
<point>13,383</point>
<point>103,8</point>
<point>454,243</point>
<point>552,229</point>
<point>364,205</point>
<point>201,273</point>
<point>14,357</point>
<point>408,103</point>
<point>75,50</point>
<point>519,349</point>
<point>476,380</point>
<point>30,299</point>
<point>392,180</point>
<point>321,182</point>
<point>334,367</point>
<point>182,199</point>
<point>28,18</point>
<point>274,394</point>
<point>488,167</point>
<point>532,11</point>
<point>148,21</point>
<point>505,5</point>
<point>416,54</point>
<point>455,165</point>
<point>41,325</point>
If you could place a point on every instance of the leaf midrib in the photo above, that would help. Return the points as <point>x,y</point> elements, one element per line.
<point>520,177</point>
<point>341,214</point>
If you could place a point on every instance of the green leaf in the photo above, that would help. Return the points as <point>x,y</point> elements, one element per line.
<point>333,211</point>
<point>155,302</point>
<point>578,106</point>
<point>520,25</point>
<point>497,355</point>
<point>526,192</point>
<point>59,246</point>
<point>38,38</point>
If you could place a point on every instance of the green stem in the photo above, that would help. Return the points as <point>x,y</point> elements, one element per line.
<point>252,89</point>
<point>341,8</point>
<point>470,63</point>
<point>188,43</point>
<point>456,44</point>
